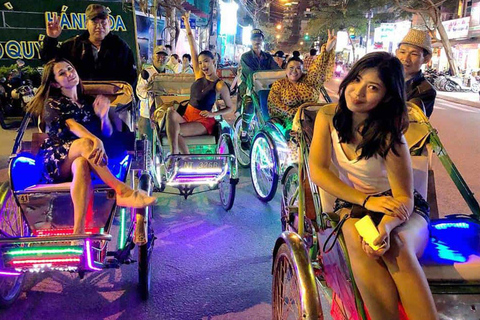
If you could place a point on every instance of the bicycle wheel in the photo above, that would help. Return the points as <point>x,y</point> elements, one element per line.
<point>243,156</point>
<point>291,301</point>
<point>264,167</point>
<point>289,191</point>
<point>11,225</point>
<point>227,185</point>
<point>145,251</point>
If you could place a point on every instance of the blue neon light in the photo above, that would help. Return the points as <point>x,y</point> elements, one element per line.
<point>448,225</point>
<point>447,253</point>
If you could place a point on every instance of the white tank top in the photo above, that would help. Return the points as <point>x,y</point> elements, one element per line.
<point>367,176</point>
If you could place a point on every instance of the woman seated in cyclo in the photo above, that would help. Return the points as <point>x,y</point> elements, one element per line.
<point>72,150</point>
<point>362,135</point>
<point>297,88</point>
<point>198,118</point>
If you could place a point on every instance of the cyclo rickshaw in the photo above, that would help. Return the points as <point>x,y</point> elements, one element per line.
<point>36,221</point>
<point>269,155</point>
<point>306,264</point>
<point>211,163</point>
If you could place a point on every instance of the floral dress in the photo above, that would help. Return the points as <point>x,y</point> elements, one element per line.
<point>54,149</point>
<point>285,97</point>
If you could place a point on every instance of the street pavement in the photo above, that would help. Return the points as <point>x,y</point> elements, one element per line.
<point>212,264</point>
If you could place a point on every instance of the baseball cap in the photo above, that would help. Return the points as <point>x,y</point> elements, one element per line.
<point>160,49</point>
<point>95,11</point>
<point>257,33</point>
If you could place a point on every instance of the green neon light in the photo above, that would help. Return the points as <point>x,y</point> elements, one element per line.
<point>122,229</point>
<point>32,251</point>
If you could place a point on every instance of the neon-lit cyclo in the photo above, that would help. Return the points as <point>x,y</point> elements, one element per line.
<point>211,164</point>
<point>269,155</point>
<point>303,270</point>
<point>36,220</point>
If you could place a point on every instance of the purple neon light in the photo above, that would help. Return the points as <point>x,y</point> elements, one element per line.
<point>9,273</point>
<point>89,256</point>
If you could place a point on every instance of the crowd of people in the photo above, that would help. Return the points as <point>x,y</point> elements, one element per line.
<point>361,134</point>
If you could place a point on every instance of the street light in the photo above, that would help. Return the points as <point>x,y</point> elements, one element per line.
<point>279,26</point>
<point>277,36</point>
<point>301,43</point>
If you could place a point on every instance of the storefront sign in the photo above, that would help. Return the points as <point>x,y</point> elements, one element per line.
<point>22,28</point>
<point>457,28</point>
<point>192,23</point>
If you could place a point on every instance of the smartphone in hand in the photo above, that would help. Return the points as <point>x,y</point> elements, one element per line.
<point>367,230</point>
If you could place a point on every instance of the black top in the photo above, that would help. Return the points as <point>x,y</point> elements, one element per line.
<point>419,88</point>
<point>203,94</point>
<point>114,61</point>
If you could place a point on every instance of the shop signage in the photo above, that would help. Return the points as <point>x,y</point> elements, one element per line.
<point>192,24</point>
<point>457,28</point>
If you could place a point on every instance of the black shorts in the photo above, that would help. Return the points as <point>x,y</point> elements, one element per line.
<point>421,206</point>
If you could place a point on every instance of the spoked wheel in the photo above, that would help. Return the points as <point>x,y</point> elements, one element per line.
<point>290,300</point>
<point>145,251</point>
<point>227,185</point>
<point>11,225</point>
<point>243,156</point>
<point>289,194</point>
<point>264,167</point>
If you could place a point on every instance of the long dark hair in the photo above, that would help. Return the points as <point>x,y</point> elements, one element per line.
<point>47,89</point>
<point>385,124</point>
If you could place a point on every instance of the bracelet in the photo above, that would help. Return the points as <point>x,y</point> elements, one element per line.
<point>365,201</point>
<point>189,34</point>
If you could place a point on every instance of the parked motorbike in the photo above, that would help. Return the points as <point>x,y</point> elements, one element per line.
<point>468,83</point>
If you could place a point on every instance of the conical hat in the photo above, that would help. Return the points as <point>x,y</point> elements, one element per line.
<point>418,38</point>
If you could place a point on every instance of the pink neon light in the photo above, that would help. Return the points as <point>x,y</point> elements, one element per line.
<point>42,261</point>
<point>8,273</point>
<point>89,256</point>
<point>63,232</point>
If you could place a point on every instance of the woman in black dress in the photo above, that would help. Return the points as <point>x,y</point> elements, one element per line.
<point>73,150</point>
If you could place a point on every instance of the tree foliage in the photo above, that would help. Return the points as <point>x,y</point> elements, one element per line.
<point>270,31</point>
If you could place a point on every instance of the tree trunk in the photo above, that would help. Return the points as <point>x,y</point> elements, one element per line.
<point>445,42</point>
<point>171,23</point>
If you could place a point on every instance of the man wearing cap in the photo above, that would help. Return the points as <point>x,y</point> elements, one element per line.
<point>413,51</point>
<point>251,61</point>
<point>97,54</point>
<point>279,58</point>
<point>160,57</point>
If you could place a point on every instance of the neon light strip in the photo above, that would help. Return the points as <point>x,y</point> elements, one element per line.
<point>89,256</point>
<point>447,225</point>
<point>62,232</point>
<point>7,273</point>
<point>122,228</point>
<point>26,252</point>
<point>200,171</point>
<point>44,261</point>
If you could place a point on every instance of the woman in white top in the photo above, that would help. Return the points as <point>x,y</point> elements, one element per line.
<point>363,135</point>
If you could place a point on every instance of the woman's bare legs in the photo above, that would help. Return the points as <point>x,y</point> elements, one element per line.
<point>78,163</point>
<point>81,193</point>
<point>82,148</point>
<point>177,128</point>
<point>371,276</point>
<point>407,243</point>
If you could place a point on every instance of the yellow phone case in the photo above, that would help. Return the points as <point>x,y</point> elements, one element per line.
<point>367,230</point>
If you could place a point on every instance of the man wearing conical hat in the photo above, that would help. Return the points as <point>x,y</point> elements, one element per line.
<point>413,51</point>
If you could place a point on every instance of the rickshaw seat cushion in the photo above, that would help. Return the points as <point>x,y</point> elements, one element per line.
<point>263,100</point>
<point>26,173</point>
<point>453,251</point>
